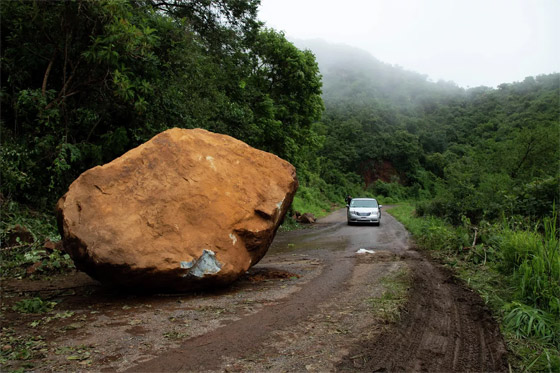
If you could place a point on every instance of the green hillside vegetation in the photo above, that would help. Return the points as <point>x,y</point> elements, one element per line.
<point>480,152</point>
<point>85,81</point>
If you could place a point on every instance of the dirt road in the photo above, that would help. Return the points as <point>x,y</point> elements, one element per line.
<point>310,305</point>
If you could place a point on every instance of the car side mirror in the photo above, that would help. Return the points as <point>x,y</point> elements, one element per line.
<point>347,206</point>
<point>380,206</point>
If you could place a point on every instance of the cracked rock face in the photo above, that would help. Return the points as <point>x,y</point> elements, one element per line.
<point>187,209</point>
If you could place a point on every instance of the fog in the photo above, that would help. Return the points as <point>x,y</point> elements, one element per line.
<point>473,43</point>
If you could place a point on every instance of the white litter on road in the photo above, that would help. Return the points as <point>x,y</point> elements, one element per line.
<point>365,251</point>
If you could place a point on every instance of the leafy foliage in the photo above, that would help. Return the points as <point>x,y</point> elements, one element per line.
<point>84,81</point>
<point>34,305</point>
<point>527,321</point>
<point>41,226</point>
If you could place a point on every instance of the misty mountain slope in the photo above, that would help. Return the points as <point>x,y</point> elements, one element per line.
<point>354,75</point>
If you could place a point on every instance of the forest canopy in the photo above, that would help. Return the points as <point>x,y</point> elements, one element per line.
<point>84,81</point>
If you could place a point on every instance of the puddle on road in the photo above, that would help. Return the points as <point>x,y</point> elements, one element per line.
<point>333,234</point>
<point>338,238</point>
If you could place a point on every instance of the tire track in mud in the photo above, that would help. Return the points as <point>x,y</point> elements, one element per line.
<point>447,328</point>
<point>243,337</point>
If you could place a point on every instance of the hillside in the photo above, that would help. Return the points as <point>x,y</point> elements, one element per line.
<point>383,122</point>
<point>351,74</point>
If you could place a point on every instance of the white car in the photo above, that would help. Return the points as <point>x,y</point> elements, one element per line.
<point>364,210</point>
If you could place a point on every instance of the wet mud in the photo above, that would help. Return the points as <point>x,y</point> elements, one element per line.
<point>446,327</point>
<point>305,307</point>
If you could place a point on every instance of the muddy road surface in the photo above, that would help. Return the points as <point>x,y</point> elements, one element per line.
<point>312,304</point>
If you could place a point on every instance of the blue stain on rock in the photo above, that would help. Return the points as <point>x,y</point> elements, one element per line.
<point>207,264</point>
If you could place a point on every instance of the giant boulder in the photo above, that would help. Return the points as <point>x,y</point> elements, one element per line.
<point>187,209</point>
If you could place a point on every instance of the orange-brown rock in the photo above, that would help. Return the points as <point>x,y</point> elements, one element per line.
<point>185,210</point>
<point>307,218</point>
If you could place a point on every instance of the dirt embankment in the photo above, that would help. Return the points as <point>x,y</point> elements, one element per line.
<point>312,304</point>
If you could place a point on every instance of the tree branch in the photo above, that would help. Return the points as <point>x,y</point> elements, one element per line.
<point>524,158</point>
<point>47,73</point>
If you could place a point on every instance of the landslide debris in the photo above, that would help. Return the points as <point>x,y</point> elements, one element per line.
<point>187,209</point>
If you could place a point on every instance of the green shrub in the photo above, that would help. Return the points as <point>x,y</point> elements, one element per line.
<point>535,199</point>
<point>42,226</point>
<point>526,321</point>
<point>538,275</point>
<point>311,200</point>
<point>34,305</point>
<point>515,247</point>
<point>431,232</point>
<point>394,190</point>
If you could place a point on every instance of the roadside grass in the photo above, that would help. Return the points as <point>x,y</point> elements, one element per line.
<point>389,305</point>
<point>515,271</point>
<point>311,200</point>
<point>289,224</point>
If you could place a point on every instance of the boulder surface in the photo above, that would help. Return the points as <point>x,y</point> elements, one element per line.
<point>187,209</point>
<point>307,218</point>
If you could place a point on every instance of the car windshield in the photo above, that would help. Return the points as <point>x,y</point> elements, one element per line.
<point>363,203</point>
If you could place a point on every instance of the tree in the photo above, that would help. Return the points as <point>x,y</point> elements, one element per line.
<point>286,95</point>
<point>84,81</point>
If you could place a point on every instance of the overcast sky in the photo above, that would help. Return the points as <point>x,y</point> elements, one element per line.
<point>471,42</point>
